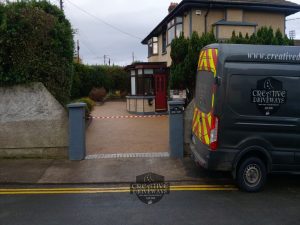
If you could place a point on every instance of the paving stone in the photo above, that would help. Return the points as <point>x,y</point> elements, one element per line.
<point>125,135</point>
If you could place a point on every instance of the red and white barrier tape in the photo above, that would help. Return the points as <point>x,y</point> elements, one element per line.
<point>126,117</point>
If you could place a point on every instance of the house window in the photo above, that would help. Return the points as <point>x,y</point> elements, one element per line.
<point>175,29</point>
<point>164,43</point>
<point>153,46</point>
<point>148,71</point>
<point>133,85</point>
<point>140,86</point>
<point>148,86</point>
<point>144,86</point>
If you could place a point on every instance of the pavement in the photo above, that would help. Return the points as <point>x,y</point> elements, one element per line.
<point>141,144</point>
<point>112,135</point>
<point>104,171</point>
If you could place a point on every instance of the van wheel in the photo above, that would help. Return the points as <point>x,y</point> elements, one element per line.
<point>251,175</point>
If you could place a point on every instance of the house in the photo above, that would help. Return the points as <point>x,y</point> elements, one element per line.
<point>148,88</point>
<point>220,16</point>
<point>149,80</point>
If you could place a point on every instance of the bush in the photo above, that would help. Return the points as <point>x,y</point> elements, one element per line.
<point>36,46</point>
<point>90,104</point>
<point>98,94</point>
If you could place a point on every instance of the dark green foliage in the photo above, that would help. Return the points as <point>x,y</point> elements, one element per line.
<point>185,53</point>
<point>36,45</point>
<point>117,78</point>
<point>264,36</point>
<point>82,83</point>
<point>179,49</point>
<point>87,77</point>
<point>90,104</point>
<point>178,54</point>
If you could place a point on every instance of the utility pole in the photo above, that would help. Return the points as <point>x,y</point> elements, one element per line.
<point>61,4</point>
<point>132,56</point>
<point>106,56</point>
<point>78,49</point>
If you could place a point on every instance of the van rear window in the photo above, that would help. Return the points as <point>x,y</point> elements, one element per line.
<point>204,88</point>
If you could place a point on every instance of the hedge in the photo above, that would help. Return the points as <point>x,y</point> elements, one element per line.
<point>36,46</point>
<point>87,77</point>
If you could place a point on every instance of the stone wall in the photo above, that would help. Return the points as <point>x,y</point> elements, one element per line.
<point>32,123</point>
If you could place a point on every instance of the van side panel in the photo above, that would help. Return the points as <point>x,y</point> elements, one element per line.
<point>261,107</point>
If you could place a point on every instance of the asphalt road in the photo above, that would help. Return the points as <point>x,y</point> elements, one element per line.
<point>278,204</point>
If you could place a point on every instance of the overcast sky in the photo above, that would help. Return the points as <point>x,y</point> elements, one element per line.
<point>92,20</point>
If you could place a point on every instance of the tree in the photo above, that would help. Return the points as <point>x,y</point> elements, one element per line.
<point>178,54</point>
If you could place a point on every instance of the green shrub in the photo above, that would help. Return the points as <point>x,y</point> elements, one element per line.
<point>90,104</point>
<point>36,46</point>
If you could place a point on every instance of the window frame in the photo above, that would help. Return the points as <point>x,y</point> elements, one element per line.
<point>151,42</point>
<point>140,77</point>
<point>164,42</point>
<point>173,24</point>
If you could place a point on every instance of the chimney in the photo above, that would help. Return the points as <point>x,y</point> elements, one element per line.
<point>172,6</point>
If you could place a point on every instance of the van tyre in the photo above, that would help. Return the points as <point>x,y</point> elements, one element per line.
<point>251,175</point>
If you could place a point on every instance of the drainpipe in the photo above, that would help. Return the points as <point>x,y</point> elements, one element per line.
<point>205,18</point>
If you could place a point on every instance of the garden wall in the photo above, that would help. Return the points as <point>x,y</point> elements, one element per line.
<point>32,123</point>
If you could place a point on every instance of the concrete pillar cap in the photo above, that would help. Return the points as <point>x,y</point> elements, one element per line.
<point>77,105</point>
<point>177,102</point>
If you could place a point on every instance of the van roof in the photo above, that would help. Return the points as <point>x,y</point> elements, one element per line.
<point>257,53</point>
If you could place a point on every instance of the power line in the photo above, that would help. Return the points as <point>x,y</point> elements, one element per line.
<point>88,48</point>
<point>102,21</point>
<point>86,44</point>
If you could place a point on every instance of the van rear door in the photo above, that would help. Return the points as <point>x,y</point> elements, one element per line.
<point>262,109</point>
<point>205,124</point>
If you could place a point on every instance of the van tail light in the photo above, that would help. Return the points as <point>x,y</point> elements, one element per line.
<point>214,133</point>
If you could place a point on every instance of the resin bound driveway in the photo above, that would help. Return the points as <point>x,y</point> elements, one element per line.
<point>125,135</point>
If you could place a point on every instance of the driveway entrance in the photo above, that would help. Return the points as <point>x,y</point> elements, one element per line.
<point>115,131</point>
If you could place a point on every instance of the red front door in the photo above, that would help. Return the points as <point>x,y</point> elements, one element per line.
<point>160,92</point>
